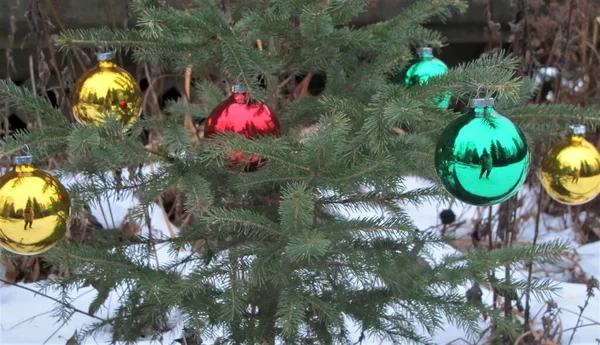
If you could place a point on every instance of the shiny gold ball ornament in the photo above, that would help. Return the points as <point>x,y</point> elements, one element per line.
<point>107,90</point>
<point>570,171</point>
<point>35,209</point>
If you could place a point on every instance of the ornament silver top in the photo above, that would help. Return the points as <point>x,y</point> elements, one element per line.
<point>482,102</point>
<point>23,160</point>
<point>577,129</point>
<point>106,56</point>
<point>239,89</point>
<point>425,51</point>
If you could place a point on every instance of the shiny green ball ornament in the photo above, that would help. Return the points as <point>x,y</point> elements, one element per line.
<point>425,67</point>
<point>482,158</point>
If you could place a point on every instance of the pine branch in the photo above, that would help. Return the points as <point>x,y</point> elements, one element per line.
<point>484,77</point>
<point>422,11</point>
<point>39,142</point>
<point>271,149</point>
<point>66,305</point>
<point>296,209</point>
<point>556,113</point>
<point>243,222</point>
<point>29,102</point>
<point>114,38</point>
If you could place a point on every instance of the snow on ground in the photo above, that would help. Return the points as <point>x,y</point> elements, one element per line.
<point>26,319</point>
<point>590,259</point>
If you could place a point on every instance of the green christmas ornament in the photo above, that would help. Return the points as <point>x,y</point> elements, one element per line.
<point>425,67</point>
<point>482,158</point>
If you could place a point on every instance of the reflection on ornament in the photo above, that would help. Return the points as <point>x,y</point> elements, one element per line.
<point>425,67</point>
<point>242,115</point>
<point>482,158</point>
<point>107,90</point>
<point>570,171</point>
<point>34,209</point>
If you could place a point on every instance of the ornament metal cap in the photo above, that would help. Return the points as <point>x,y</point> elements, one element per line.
<point>425,51</point>
<point>239,89</point>
<point>577,129</point>
<point>106,56</point>
<point>482,102</point>
<point>23,160</point>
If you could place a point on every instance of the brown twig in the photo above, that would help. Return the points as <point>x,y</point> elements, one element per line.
<point>490,248</point>
<point>45,32</point>
<point>99,200</point>
<point>186,100</point>
<point>152,82</point>
<point>33,87</point>
<point>152,91</point>
<point>592,45</point>
<point>302,89</point>
<point>508,232</point>
<point>9,61</point>
<point>151,237</point>
<point>565,54</point>
<point>591,285</point>
<point>62,28</point>
<point>226,5</point>
<point>530,264</point>
<point>162,208</point>
<point>582,317</point>
<point>549,62</point>
<point>11,39</point>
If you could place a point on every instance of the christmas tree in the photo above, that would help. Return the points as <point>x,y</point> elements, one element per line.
<point>275,259</point>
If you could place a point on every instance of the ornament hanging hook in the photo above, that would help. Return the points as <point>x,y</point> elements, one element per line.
<point>105,56</point>
<point>26,159</point>
<point>478,92</point>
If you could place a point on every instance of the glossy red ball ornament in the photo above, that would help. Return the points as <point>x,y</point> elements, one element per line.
<point>245,116</point>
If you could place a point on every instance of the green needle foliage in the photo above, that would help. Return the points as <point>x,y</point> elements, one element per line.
<point>276,259</point>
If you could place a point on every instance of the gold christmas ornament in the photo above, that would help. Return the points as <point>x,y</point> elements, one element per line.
<point>107,90</point>
<point>35,209</point>
<point>570,171</point>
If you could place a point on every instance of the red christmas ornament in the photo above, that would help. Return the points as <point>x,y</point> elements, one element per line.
<point>123,104</point>
<point>242,115</point>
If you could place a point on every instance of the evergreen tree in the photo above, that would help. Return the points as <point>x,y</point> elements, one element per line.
<point>6,209</point>
<point>494,152</point>
<point>502,153</point>
<point>37,208</point>
<point>11,210</point>
<point>277,260</point>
